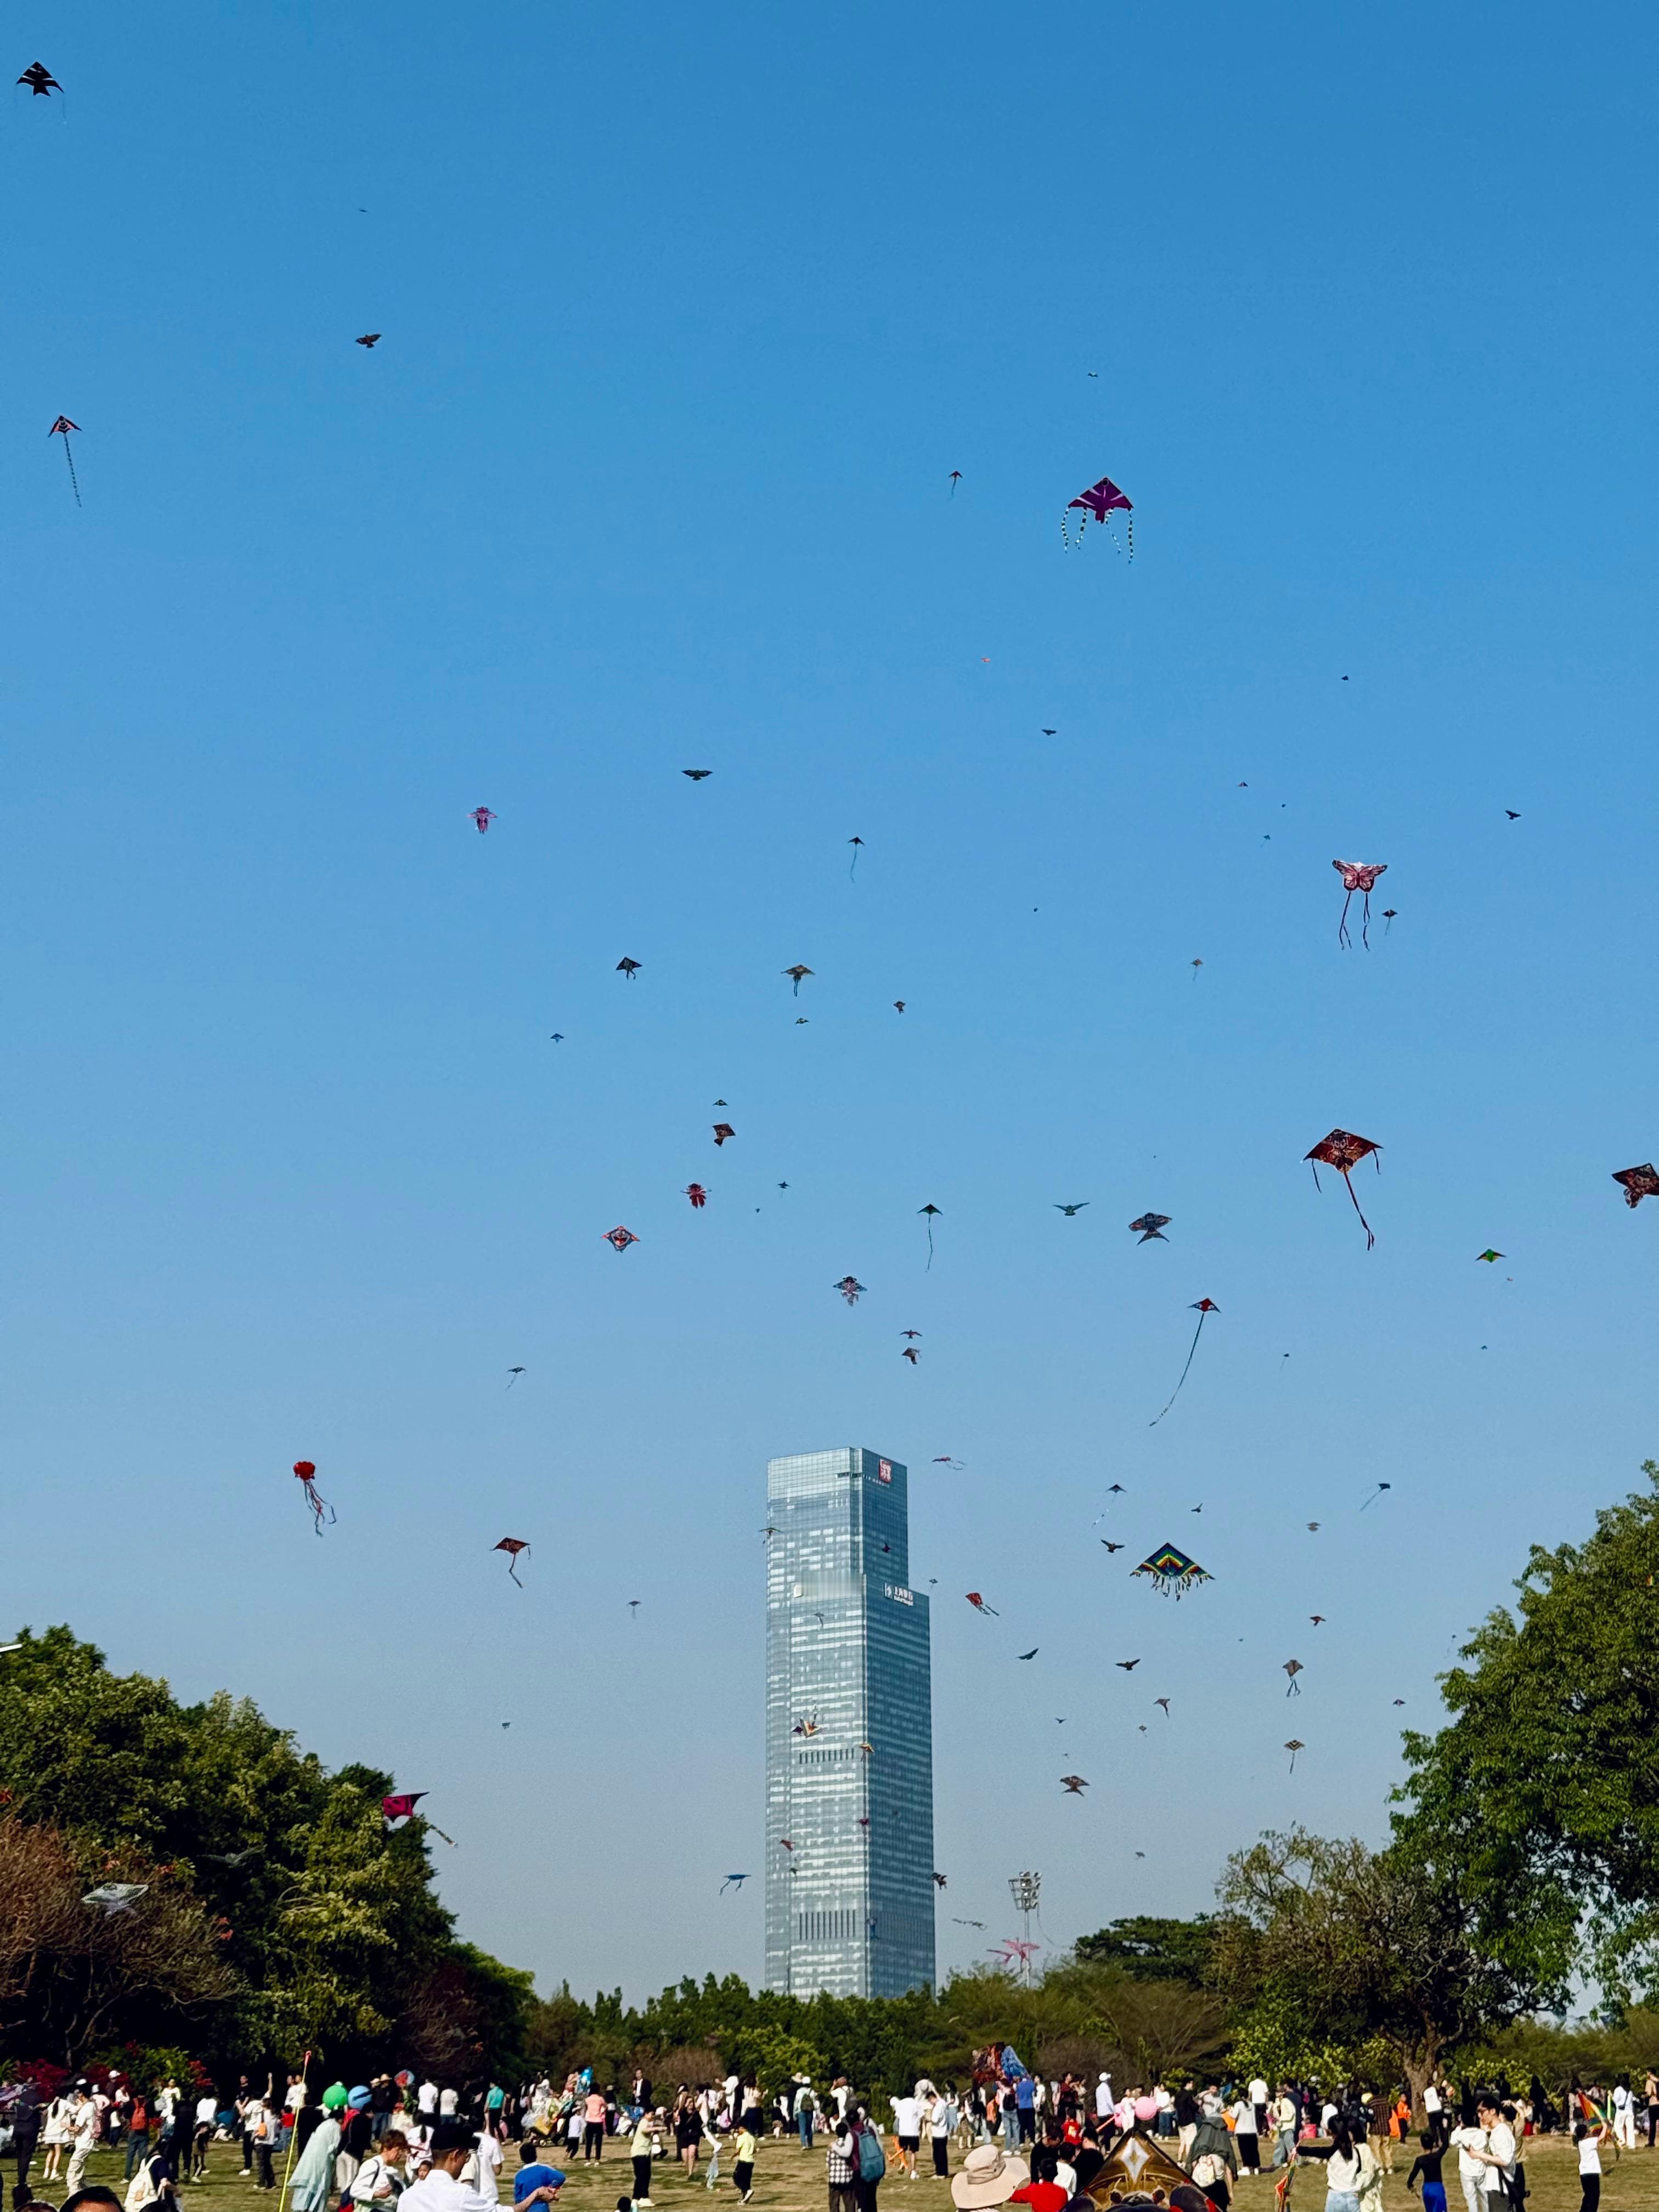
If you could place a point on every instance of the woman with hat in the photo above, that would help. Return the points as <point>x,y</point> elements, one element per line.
<point>987,2176</point>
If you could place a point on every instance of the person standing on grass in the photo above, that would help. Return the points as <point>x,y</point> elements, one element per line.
<point>593,2126</point>
<point>81,2130</point>
<point>841,2164</point>
<point>1428,2163</point>
<point>381,2180</point>
<point>937,2118</point>
<point>1589,2140</point>
<point>906,2126</point>
<point>806,2108</point>
<point>742,2167</point>
<point>639,2148</point>
<point>1244,2135</point>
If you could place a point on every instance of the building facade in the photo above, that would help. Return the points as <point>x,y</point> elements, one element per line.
<point>849,1732</point>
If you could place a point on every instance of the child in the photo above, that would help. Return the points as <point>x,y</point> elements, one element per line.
<point>1589,2141</point>
<point>743,2171</point>
<point>1428,2163</point>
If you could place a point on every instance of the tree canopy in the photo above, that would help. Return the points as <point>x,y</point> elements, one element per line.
<point>1156,1950</point>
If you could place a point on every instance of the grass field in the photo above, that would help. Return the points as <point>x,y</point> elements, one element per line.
<point>788,2180</point>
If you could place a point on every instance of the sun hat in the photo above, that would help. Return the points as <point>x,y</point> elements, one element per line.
<point>988,2176</point>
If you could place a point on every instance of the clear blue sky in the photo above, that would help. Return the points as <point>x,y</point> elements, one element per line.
<point>689,314</point>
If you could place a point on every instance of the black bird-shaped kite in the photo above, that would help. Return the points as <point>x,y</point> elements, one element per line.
<point>929,1212</point>
<point>515,1372</point>
<point>40,81</point>
<point>1110,1544</point>
<point>1069,1211</point>
<point>1128,1665</point>
<point>369,338</point>
<point>696,774</point>
<point>1032,1653</point>
<point>1073,1785</point>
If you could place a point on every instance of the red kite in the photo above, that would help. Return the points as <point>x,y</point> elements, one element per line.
<point>306,1471</point>
<point>1639,1183</point>
<point>980,1605</point>
<point>482,819</point>
<point>1343,1151</point>
<point>696,1193</point>
<point>512,1546</point>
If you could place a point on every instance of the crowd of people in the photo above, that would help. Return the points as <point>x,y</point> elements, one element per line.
<point>399,2144</point>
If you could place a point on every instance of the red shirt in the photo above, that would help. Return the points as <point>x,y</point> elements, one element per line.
<point>1041,2196</point>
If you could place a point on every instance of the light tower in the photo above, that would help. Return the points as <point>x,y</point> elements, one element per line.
<point>1025,1888</point>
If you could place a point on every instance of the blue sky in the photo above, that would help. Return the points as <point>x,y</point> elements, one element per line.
<point>688,316</point>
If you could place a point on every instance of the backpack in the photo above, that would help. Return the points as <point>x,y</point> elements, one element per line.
<point>141,2189</point>
<point>872,2159</point>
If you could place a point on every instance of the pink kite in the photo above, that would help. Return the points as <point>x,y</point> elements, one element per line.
<point>1357,876</point>
<point>484,818</point>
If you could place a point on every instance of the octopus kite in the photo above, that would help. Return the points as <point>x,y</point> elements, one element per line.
<point>1343,1151</point>
<point>850,1288</point>
<point>512,1546</point>
<point>1171,1572</point>
<point>1357,876</point>
<point>1203,1307</point>
<point>305,1470</point>
<point>1101,500</point>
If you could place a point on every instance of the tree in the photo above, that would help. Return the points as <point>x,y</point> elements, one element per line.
<point>1544,1788</point>
<point>1372,1954</point>
<point>1154,1950</point>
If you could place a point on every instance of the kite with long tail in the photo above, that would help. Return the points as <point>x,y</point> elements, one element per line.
<point>305,1470</point>
<point>929,1212</point>
<point>1203,1307</point>
<point>61,428</point>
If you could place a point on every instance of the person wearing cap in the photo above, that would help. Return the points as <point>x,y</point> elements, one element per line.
<point>988,2175</point>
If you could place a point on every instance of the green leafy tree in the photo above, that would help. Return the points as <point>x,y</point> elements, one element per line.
<point>1544,1787</point>
<point>1154,1950</point>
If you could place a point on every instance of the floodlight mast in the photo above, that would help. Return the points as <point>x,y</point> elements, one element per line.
<point>1025,1889</point>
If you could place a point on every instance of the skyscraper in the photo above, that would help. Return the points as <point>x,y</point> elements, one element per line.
<point>849,1732</point>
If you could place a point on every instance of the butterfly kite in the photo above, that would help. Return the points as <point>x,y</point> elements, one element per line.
<point>619,1238</point>
<point>305,1470</point>
<point>850,1288</point>
<point>1152,1226</point>
<point>1357,876</point>
<point>980,1605</point>
<point>62,426</point>
<point>1171,1572</point>
<point>1343,1151</point>
<point>482,819</point>
<point>512,1546</point>
<point>1203,1307</point>
<point>1101,500</point>
<point>1639,1183</point>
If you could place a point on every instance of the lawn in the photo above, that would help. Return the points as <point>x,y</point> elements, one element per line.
<point>788,2180</point>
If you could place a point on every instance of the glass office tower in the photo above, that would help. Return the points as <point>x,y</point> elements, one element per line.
<point>849,1732</point>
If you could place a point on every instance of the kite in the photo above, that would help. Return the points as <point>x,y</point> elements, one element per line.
<point>1073,1785</point>
<point>1343,1151</point>
<point>696,774</point>
<point>868,1749</point>
<point>850,1288</point>
<point>1128,1665</point>
<point>634,1607</point>
<point>733,1881</point>
<point>1376,1493</point>
<point>1293,1746</point>
<point>1110,1544</point>
<point>1293,1668</point>
<point>1389,914</point>
<point>929,1211</point>
<point>1357,876</point>
<point>1031,1654</point>
<point>515,1372</point>
<point>1317,1619</point>
<point>854,843</point>
<point>955,1923</point>
<point>1400,1701</point>
<point>697,1194</point>
<point>305,1470</point>
<point>1197,964</point>
<point>482,817</point>
<point>898,1006</point>
<point>798,971</point>
<point>1510,811</point>
<point>629,968</point>
<point>722,1131</point>
<point>1313,1527</point>
<point>558,1036</point>
<point>956,474</point>
<point>1015,1949</point>
<point>370,338</point>
<point>864,1819</point>
<point>910,1332</point>
<point>231,1858</point>
<point>511,1545</point>
<point>1071,1212</point>
<point>980,1605</point>
<point>1114,1488</point>
<point>40,81</point>
<point>939,1881</point>
<point>619,1238</point>
<point>1203,1307</point>
<point>1164,1702</point>
<point>910,1353</point>
<point>400,1807</point>
<point>806,1727</point>
<point>1153,1226</point>
<point>1170,1570</point>
<point>113,1896</point>
<point>1639,1183</point>
<point>1490,1255</point>
<point>62,426</point>
<point>1101,500</point>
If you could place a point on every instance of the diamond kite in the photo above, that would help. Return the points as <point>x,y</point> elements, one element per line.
<point>929,1211</point>
<point>1293,1668</point>
<point>980,1605</point>
<point>114,1896</point>
<point>1343,1151</point>
<point>722,1131</point>
<point>1101,500</point>
<point>850,1288</point>
<point>1203,1307</point>
<point>305,1470</point>
<point>1639,1183</point>
<point>1489,1255</point>
<point>512,1546</point>
<point>1152,1226</point>
<point>1171,1572</point>
<point>1357,876</point>
<point>1293,1746</point>
<point>619,1238</point>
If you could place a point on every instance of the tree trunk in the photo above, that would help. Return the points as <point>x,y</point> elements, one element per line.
<point>1420,2072</point>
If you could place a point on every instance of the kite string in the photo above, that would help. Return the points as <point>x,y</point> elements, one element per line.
<point>1192,1348</point>
<point>1364,1224</point>
<point>69,458</point>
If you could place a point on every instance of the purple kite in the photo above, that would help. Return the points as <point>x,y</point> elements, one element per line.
<point>1101,500</point>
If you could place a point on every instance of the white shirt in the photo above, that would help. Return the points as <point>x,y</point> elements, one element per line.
<point>439,2192</point>
<point>1432,2098</point>
<point>1243,2118</point>
<point>367,2181</point>
<point>296,2096</point>
<point>447,2100</point>
<point>1589,2155</point>
<point>490,2167</point>
<point>1104,2098</point>
<point>907,2120</point>
<point>1467,2140</point>
<point>1065,2176</point>
<point>84,2124</point>
<point>1620,2098</point>
<point>427,2096</point>
<point>207,2108</point>
<point>1258,2091</point>
<point>1501,2143</point>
